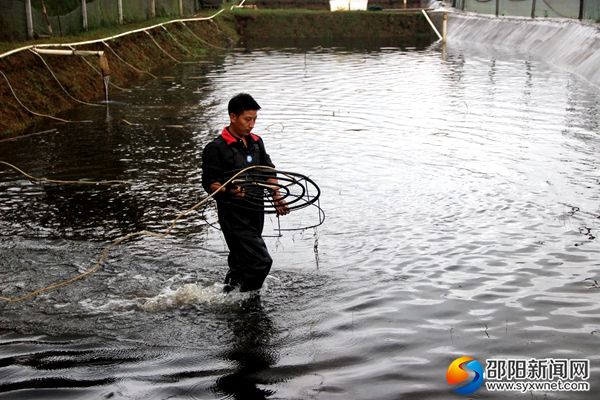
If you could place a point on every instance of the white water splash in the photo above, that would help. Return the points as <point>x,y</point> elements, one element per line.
<point>106,80</point>
<point>193,293</point>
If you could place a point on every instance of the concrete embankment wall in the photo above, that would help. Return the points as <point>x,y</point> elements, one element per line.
<point>37,89</point>
<point>568,44</point>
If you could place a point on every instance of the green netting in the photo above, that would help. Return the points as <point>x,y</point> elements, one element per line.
<point>102,13</point>
<point>591,10</point>
<point>167,7</point>
<point>556,8</point>
<point>57,7</point>
<point>136,10</point>
<point>524,8</point>
<point>13,23</point>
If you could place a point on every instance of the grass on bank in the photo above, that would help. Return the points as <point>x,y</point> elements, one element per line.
<point>96,33</point>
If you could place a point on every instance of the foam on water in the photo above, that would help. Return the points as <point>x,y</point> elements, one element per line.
<point>195,294</point>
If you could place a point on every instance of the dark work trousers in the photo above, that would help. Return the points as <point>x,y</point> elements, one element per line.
<point>249,260</point>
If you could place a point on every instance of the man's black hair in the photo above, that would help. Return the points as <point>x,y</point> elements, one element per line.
<point>242,102</point>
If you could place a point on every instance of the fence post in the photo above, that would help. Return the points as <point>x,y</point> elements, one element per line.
<point>181,8</point>
<point>497,8</point>
<point>444,27</point>
<point>533,9</point>
<point>120,7</point>
<point>29,19</point>
<point>45,12</point>
<point>84,15</point>
<point>152,8</point>
<point>581,9</point>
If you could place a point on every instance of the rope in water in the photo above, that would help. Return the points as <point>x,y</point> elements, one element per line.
<point>106,251</point>
<point>62,182</point>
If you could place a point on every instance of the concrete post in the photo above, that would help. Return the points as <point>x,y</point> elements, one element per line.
<point>181,8</point>
<point>29,19</point>
<point>84,15</point>
<point>152,8</point>
<point>120,7</point>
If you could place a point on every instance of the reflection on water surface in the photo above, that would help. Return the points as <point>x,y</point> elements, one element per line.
<point>461,191</point>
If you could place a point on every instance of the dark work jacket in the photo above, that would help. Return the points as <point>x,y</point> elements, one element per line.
<point>226,155</point>
<point>241,220</point>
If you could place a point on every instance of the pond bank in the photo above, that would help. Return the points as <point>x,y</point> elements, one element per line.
<point>407,27</point>
<point>134,57</point>
<point>59,83</point>
<point>568,44</point>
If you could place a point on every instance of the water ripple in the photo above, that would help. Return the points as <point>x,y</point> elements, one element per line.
<point>461,193</point>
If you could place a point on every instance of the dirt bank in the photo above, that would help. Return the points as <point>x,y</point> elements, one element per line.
<point>138,55</point>
<point>407,28</point>
<point>40,92</point>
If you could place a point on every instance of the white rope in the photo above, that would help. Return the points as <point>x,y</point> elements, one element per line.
<point>177,41</point>
<point>100,73</point>
<point>77,182</point>
<point>202,40</point>
<point>128,64</point>
<point>25,107</point>
<point>60,84</point>
<point>161,49</point>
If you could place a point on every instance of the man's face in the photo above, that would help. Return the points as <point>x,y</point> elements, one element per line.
<point>244,123</point>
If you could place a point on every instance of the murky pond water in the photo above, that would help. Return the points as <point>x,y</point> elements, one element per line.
<point>462,197</point>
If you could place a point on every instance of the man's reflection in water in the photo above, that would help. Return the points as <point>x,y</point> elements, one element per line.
<point>251,350</point>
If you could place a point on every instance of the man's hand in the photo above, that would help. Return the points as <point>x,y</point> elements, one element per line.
<point>235,191</point>
<point>217,186</point>
<point>281,206</point>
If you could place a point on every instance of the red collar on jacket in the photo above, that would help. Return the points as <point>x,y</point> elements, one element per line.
<point>229,139</point>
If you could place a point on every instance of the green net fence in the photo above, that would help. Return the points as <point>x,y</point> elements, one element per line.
<point>588,9</point>
<point>65,17</point>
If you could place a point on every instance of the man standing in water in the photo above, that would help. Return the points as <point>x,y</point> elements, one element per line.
<point>241,221</point>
